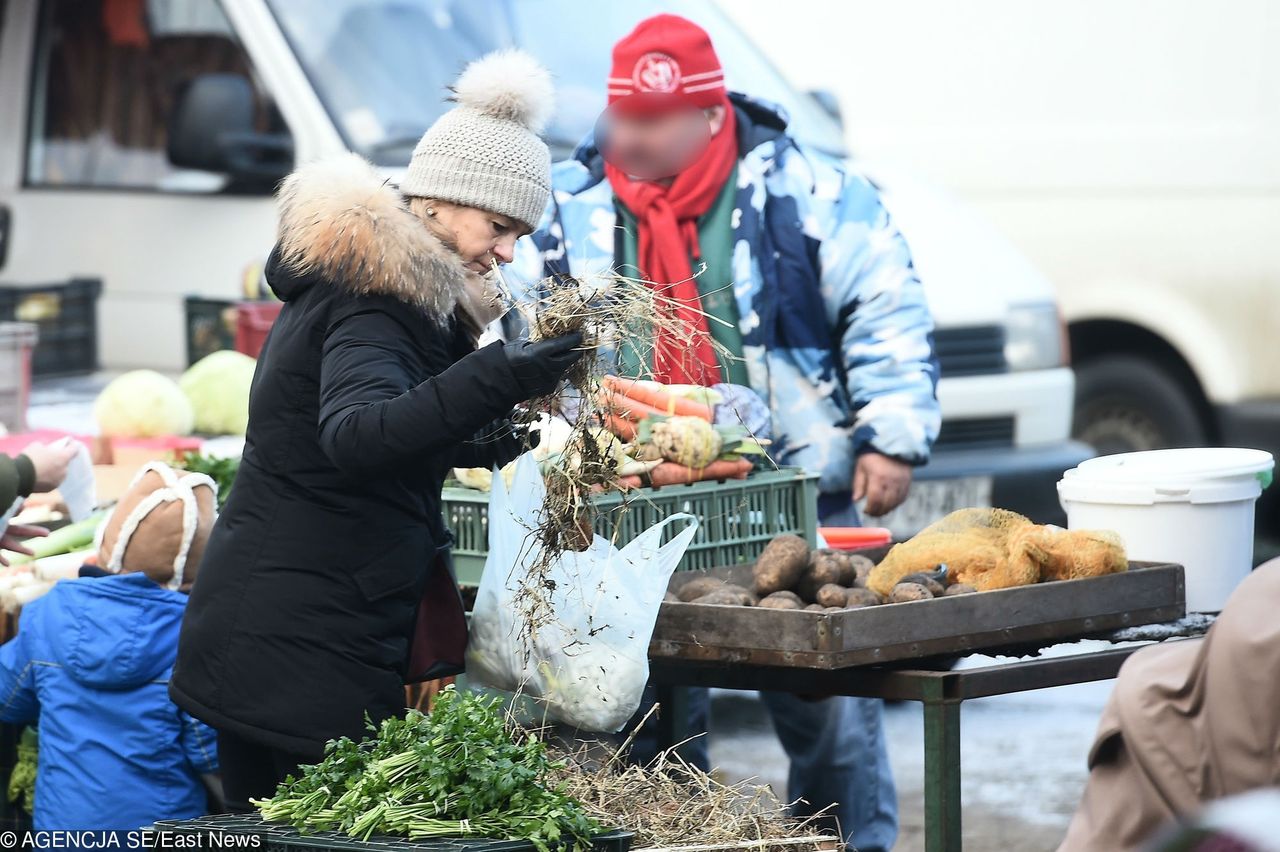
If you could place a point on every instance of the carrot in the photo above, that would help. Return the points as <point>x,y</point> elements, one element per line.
<point>736,469</point>
<point>626,483</point>
<point>665,402</point>
<point>670,473</point>
<point>620,426</point>
<point>628,408</point>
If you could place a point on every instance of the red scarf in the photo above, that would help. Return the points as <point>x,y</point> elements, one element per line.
<point>667,219</point>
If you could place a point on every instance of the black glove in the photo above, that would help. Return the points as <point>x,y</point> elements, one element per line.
<point>501,443</point>
<point>539,367</point>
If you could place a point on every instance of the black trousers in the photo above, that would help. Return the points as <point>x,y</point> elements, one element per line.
<point>251,770</point>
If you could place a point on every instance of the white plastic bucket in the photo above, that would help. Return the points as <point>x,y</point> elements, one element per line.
<point>1194,507</point>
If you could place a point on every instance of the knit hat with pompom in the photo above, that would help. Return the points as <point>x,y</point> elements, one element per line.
<point>486,151</point>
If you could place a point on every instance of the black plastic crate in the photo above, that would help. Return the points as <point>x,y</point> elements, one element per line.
<point>285,838</point>
<point>67,317</point>
<point>211,326</point>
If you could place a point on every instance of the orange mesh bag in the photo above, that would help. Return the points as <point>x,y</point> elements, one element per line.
<point>973,543</point>
<point>1071,554</point>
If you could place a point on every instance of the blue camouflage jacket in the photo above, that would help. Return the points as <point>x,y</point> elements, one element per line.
<point>837,336</point>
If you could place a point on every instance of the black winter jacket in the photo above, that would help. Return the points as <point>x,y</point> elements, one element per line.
<point>331,554</point>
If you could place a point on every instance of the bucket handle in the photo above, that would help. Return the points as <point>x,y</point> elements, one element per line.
<point>1173,492</point>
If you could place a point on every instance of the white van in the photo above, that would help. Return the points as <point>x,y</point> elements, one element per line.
<point>140,140</point>
<point>1130,149</point>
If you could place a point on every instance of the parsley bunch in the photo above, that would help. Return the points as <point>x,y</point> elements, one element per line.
<point>460,771</point>
<point>221,470</point>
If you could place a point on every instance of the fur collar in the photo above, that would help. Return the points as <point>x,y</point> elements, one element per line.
<point>342,220</point>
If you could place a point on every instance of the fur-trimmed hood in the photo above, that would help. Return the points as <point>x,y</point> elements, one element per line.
<point>342,222</point>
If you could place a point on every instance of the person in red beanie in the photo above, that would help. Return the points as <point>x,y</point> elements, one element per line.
<point>670,148</point>
<point>785,259</point>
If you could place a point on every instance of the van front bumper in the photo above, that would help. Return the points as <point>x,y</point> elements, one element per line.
<point>1023,479</point>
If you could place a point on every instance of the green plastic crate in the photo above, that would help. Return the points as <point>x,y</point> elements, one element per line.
<point>738,517</point>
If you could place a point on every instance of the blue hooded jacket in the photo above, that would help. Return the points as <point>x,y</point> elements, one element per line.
<point>92,661</point>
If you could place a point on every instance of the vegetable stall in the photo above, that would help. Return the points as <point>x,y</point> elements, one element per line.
<point>759,601</point>
<point>757,604</point>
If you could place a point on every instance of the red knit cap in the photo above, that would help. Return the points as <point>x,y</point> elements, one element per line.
<point>666,61</point>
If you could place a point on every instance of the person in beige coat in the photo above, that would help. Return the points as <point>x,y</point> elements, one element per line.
<point>1188,722</point>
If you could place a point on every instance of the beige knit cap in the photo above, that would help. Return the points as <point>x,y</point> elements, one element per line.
<point>486,152</point>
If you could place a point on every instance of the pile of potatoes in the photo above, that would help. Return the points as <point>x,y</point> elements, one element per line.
<point>788,575</point>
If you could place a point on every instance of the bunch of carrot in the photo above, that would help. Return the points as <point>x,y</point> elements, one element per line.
<point>629,401</point>
<point>626,402</point>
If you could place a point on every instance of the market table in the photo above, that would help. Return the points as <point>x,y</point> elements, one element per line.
<point>941,692</point>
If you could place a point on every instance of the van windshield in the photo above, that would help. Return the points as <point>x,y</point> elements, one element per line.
<point>382,67</point>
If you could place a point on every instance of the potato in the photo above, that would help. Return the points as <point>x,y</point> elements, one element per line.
<point>670,597</point>
<point>831,595</point>
<point>782,600</point>
<point>781,564</point>
<point>859,597</point>
<point>848,571</point>
<point>904,592</point>
<point>834,609</point>
<point>722,597</point>
<point>825,568</point>
<point>960,589</point>
<point>728,594</point>
<point>699,587</point>
<point>815,608</point>
<point>748,599</point>
<point>807,589</point>
<point>928,581</point>
<point>861,568</point>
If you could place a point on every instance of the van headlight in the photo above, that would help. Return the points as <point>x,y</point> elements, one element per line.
<point>1034,337</point>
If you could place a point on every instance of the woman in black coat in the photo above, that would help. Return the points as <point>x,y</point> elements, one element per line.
<point>325,586</point>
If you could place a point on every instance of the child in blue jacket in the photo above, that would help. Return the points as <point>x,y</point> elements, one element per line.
<point>92,660</point>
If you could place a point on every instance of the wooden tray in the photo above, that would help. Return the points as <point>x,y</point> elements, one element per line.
<point>1029,615</point>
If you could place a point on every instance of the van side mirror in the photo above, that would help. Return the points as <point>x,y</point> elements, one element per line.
<point>212,129</point>
<point>830,104</point>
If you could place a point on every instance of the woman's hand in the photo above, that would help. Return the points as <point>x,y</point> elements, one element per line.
<point>539,366</point>
<point>505,441</point>
<point>15,535</point>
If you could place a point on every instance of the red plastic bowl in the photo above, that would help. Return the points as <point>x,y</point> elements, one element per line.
<point>855,538</point>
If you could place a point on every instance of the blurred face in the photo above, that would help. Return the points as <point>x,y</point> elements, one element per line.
<point>478,236</point>
<point>657,146</point>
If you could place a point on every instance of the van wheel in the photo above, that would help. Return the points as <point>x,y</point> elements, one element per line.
<point>1126,403</point>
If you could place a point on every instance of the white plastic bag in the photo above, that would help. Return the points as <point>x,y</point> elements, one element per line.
<point>588,668</point>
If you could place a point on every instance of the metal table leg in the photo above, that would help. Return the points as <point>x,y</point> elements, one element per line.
<point>941,775</point>
<point>673,718</point>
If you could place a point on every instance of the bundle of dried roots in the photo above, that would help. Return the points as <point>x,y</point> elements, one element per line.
<point>613,313</point>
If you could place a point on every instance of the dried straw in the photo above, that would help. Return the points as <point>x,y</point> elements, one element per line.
<point>676,807</point>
